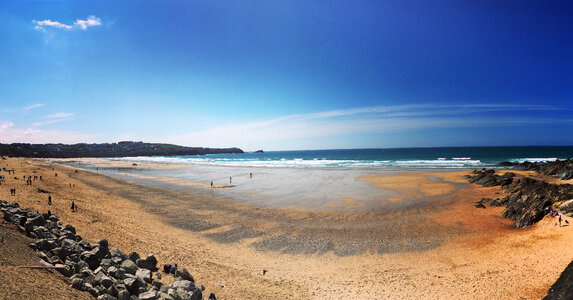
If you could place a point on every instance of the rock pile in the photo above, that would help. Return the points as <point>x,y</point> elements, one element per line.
<point>527,199</point>
<point>559,168</point>
<point>103,271</point>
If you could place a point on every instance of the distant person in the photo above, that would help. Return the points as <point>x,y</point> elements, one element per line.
<point>56,175</point>
<point>251,175</point>
<point>49,200</point>
<point>560,220</point>
<point>73,206</point>
<point>230,180</point>
<point>211,183</point>
<point>173,269</point>
<point>212,297</point>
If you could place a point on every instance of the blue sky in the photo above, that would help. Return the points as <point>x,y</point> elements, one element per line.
<point>281,75</point>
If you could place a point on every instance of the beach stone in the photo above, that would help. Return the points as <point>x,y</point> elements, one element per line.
<point>133,285</point>
<point>112,290</point>
<point>80,265</point>
<point>103,244</point>
<point>144,274</point>
<point>106,297</point>
<point>91,259</point>
<point>183,284</point>
<point>197,295</point>
<point>64,270</point>
<point>54,260</point>
<point>129,266</point>
<point>158,284</point>
<point>149,295</point>
<point>70,228</point>
<point>184,275</point>
<point>45,244</point>
<point>102,279</point>
<point>68,243</point>
<point>150,263</point>
<point>165,289</point>
<point>123,295</point>
<point>134,256</point>
<point>78,283</point>
<point>62,253</point>
<point>164,296</point>
<point>116,272</point>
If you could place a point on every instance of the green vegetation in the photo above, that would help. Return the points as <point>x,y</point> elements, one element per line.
<point>120,149</point>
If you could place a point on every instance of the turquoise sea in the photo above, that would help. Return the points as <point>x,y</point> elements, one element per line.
<point>445,157</point>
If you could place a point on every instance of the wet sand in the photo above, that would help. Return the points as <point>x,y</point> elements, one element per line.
<point>442,247</point>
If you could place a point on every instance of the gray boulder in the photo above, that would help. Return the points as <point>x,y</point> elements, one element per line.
<point>78,283</point>
<point>149,295</point>
<point>183,274</point>
<point>102,279</point>
<point>150,263</point>
<point>129,266</point>
<point>183,284</point>
<point>144,274</point>
<point>123,295</point>
<point>134,256</point>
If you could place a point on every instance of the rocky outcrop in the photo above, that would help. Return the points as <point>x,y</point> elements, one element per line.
<point>488,178</point>
<point>559,168</point>
<point>101,270</point>
<point>562,289</point>
<point>527,199</point>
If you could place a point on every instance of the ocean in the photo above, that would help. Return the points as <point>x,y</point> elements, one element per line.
<point>392,158</point>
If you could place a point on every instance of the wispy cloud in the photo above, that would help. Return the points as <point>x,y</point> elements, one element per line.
<point>91,21</point>
<point>10,134</point>
<point>59,115</point>
<point>33,106</point>
<point>367,120</point>
<point>54,118</point>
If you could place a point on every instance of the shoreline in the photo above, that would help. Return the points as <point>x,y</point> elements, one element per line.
<point>462,254</point>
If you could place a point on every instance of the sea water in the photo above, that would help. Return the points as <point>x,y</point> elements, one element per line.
<point>393,158</point>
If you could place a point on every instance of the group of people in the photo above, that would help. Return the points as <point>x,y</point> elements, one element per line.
<point>169,269</point>
<point>555,213</point>
<point>13,192</point>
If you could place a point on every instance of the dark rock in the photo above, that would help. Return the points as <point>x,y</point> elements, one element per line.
<point>133,285</point>
<point>144,274</point>
<point>149,263</point>
<point>91,259</point>
<point>70,228</point>
<point>123,295</point>
<point>134,256</point>
<point>149,295</point>
<point>78,283</point>
<point>479,205</point>
<point>106,297</point>
<point>129,266</point>
<point>183,274</point>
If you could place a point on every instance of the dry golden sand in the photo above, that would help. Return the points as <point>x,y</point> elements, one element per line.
<point>471,254</point>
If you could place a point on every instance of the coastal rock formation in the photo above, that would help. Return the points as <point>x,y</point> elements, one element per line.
<point>562,288</point>
<point>559,168</point>
<point>488,178</point>
<point>102,271</point>
<point>527,199</point>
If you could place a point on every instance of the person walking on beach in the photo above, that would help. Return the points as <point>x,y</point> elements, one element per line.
<point>49,200</point>
<point>251,175</point>
<point>230,180</point>
<point>211,183</point>
<point>73,206</point>
<point>560,220</point>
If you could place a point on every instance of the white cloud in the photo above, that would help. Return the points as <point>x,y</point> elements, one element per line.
<point>10,134</point>
<point>6,125</point>
<point>362,121</point>
<point>33,106</point>
<point>41,25</point>
<point>91,21</point>
<point>54,118</point>
<point>59,115</point>
<point>81,24</point>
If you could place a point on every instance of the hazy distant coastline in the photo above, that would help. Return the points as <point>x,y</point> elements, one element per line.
<point>121,149</point>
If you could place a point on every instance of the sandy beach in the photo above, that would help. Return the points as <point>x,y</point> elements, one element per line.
<point>439,248</point>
